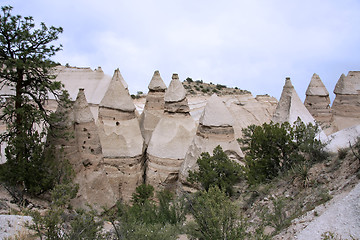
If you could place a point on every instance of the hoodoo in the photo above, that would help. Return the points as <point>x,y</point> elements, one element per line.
<point>215,128</point>
<point>170,139</point>
<point>154,106</point>
<point>94,187</point>
<point>346,106</point>
<point>290,107</point>
<point>121,139</point>
<point>317,101</point>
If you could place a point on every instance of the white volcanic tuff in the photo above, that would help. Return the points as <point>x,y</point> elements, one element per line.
<point>154,106</point>
<point>116,96</point>
<point>343,138</point>
<point>176,92</point>
<point>121,140</point>
<point>170,139</point>
<point>172,136</point>
<point>316,87</point>
<point>156,82</point>
<point>346,106</point>
<point>74,78</point>
<point>94,186</point>
<point>290,107</point>
<point>119,129</point>
<point>82,111</point>
<point>348,85</point>
<point>216,113</point>
<point>317,101</point>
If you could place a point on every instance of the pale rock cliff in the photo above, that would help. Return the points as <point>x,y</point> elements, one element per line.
<point>87,159</point>
<point>346,106</point>
<point>170,139</point>
<point>317,101</point>
<point>154,106</point>
<point>121,140</point>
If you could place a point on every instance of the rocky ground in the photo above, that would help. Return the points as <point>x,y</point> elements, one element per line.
<point>298,207</point>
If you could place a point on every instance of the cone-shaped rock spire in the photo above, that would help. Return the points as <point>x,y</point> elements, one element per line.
<point>82,113</point>
<point>117,97</point>
<point>170,139</point>
<point>85,155</point>
<point>176,91</point>
<point>215,128</point>
<point>290,107</point>
<point>117,75</point>
<point>154,106</point>
<point>216,113</point>
<point>121,140</point>
<point>317,101</point>
<point>156,83</point>
<point>316,87</point>
<point>346,106</point>
<point>175,97</point>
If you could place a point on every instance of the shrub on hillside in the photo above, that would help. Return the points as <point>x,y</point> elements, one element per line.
<point>273,148</point>
<point>145,219</point>
<point>217,170</point>
<point>215,216</point>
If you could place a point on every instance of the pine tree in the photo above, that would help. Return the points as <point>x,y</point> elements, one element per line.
<point>27,72</point>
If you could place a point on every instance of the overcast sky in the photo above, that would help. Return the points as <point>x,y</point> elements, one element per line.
<point>250,44</point>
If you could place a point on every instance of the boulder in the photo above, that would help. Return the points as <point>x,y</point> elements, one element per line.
<point>170,139</point>
<point>121,140</point>
<point>154,107</point>
<point>346,106</point>
<point>215,128</point>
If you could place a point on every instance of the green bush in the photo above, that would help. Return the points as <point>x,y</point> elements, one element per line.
<point>217,170</point>
<point>189,80</point>
<point>216,217</point>
<point>142,194</point>
<point>61,222</point>
<point>145,219</point>
<point>272,149</point>
<point>219,86</point>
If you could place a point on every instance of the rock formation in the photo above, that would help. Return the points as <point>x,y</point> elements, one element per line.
<point>247,110</point>
<point>170,139</point>
<point>317,101</point>
<point>121,139</point>
<point>346,106</point>
<point>215,128</point>
<point>84,153</point>
<point>154,106</point>
<point>290,107</point>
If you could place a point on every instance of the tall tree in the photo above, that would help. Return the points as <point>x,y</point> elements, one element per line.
<point>27,81</point>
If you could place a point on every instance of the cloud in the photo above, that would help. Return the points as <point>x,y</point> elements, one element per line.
<point>253,45</point>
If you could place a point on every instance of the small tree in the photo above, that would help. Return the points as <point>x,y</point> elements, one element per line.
<point>217,170</point>
<point>216,217</point>
<point>27,71</point>
<point>273,148</point>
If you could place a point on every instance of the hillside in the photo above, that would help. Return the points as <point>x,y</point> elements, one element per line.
<point>198,87</point>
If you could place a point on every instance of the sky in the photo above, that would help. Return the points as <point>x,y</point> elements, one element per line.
<point>252,44</point>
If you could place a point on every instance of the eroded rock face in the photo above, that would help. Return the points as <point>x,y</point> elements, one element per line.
<point>215,128</point>
<point>154,107</point>
<point>317,101</point>
<point>84,152</point>
<point>346,106</point>
<point>121,140</point>
<point>170,139</point>
<point>290,107</point>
